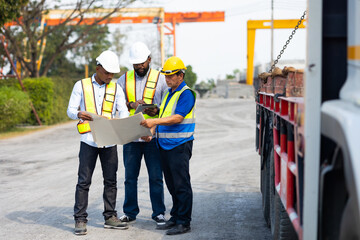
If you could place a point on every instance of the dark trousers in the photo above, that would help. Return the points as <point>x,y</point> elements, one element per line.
<point>175,164</point>
<point>109,164</point>
<point>133,153</point>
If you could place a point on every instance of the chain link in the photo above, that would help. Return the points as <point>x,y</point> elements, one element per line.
<point>287,42</point>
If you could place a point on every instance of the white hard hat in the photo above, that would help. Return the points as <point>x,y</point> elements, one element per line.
<point>109,61</point>
<point>139,53</point>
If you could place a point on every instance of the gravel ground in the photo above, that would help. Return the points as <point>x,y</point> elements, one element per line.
<point>38,174</point>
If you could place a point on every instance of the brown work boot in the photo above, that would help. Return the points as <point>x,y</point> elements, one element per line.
<point>80,228</point>
<point>115,223</point>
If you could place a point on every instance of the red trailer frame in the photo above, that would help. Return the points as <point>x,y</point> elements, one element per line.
<point>288,151</point>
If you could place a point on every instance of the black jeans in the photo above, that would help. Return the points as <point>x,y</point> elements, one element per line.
<point>109,164</point>
<point>175,164</point>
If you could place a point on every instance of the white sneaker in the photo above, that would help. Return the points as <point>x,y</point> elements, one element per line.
<point>160,219</point>
<point>127,219</point>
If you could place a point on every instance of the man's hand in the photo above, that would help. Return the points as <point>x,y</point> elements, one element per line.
<point>84,116</point>
<point>151,111</point>
<point>134,105</point>
<point>148,123</point>
<point>147,138</point>
<point>137,103</point>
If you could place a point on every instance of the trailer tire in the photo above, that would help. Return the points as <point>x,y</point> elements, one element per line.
<point>265,169</point>
<point>283,228</point>
<point>265,175</point>
<point>272,190</point>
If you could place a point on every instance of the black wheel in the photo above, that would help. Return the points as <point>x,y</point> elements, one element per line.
<point>266,145</point>
<point>272,190</point>
<point>283,228</point>
<point>265,177</point>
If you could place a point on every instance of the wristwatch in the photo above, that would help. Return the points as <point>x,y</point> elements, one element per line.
<point>130,104</point>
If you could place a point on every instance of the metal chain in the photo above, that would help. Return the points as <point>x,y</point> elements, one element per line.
<point>287,42</point>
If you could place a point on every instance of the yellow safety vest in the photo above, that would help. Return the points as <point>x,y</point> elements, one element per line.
<point>186,128</point>
<point>90,106</point>
<point>149,90</point>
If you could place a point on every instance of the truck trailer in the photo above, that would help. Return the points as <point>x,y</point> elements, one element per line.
<point>307,129</point>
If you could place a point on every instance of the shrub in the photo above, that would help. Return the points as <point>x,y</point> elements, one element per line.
<point>50,97</point>
<point>62,91</point>
<point>41,94</point>
<point>10,82</point>
<point>14,107</point>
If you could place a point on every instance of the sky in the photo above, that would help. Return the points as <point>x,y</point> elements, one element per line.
<point>215,49</point>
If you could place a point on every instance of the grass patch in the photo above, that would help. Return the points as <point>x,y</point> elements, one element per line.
<point>20,131</point>
<point>25,130</point>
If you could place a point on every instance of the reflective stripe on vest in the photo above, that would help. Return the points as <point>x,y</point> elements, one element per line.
<point>149,90</point>
<point>89,102</point>
<point>175,135</point>
<point>185,129</point>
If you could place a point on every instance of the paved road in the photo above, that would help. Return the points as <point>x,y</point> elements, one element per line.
<point>38,177</point>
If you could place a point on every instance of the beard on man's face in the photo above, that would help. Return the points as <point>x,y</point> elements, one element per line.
<point>141,72</point>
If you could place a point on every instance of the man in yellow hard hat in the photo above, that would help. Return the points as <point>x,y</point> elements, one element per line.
<point>174,130</point>
<point>99,95</point>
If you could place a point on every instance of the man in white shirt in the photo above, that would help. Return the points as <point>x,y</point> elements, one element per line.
<point>99,95</point>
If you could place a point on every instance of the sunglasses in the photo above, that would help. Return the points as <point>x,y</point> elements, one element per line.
<point>170,71</point>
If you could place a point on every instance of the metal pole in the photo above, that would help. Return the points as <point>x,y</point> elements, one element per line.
<point>18,77</point>
<point>162,17</point>
<point>174,36</point>
<point>86,71</point>
<point>272,33</point>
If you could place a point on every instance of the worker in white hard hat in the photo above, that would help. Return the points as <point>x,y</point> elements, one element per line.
<point>174,130</point>
<point>142,85</point>
<point>102,96</point>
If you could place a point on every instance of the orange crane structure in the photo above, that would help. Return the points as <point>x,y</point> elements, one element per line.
<point>252,26</point>
<point>142,15</point>
<point>131,16</point>
<point>124,16</point>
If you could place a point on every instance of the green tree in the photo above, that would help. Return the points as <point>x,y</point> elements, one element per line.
<point>73,67</point>
<point>10,10</point>
<point>30,30</point>
<point>89,52</point>
<point>204,87</point>
<point>233,75</point>
<point>211,83</point>
<point>62,66</point>
<point>190,76</point>
<point>118,41</point>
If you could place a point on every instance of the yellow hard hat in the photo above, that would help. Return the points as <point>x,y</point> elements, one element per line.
<point>172,66</point>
